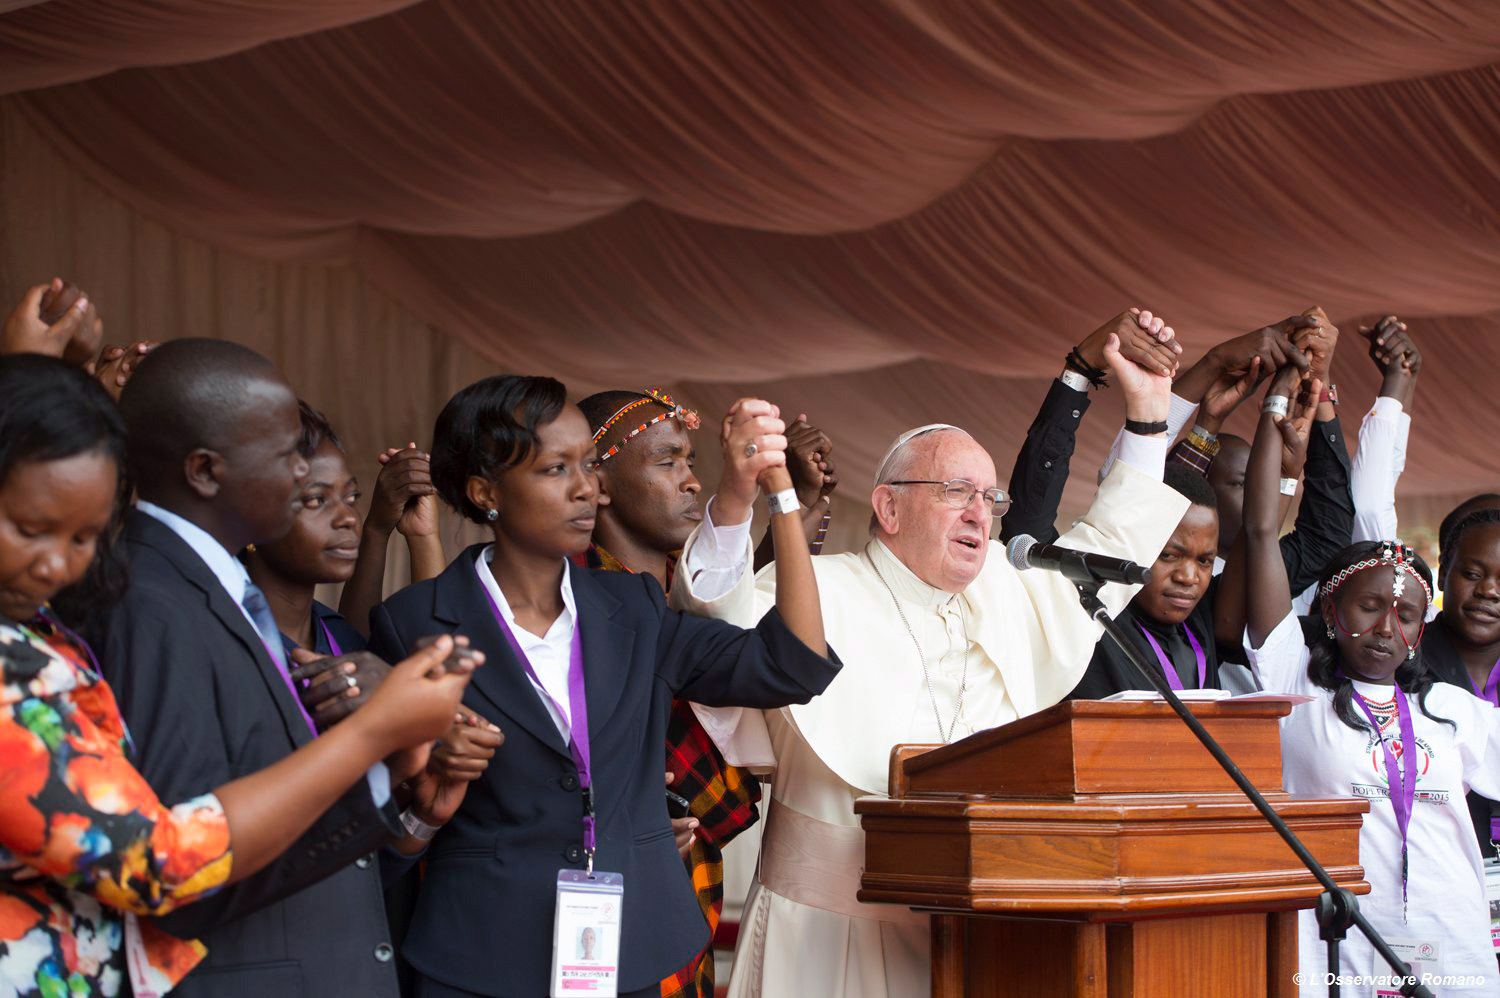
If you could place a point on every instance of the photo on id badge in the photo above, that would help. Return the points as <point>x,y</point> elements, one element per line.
<point>586,940</point>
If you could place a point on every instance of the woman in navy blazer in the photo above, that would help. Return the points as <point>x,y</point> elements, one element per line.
<point>511,453</point>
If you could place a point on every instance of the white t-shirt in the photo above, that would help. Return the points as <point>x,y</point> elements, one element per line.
<point>1324,757</point>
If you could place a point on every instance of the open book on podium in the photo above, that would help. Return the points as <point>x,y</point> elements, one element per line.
<point>1096,849</point>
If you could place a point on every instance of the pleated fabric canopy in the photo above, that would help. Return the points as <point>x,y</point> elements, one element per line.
<point>878,212</point>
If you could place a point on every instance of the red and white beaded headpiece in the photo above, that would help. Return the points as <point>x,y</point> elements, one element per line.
<point>650,396</point>
<point>1393,554</point>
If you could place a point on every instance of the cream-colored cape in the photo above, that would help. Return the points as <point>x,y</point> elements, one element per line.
<point>803,930</point>
<point>1028,625</point>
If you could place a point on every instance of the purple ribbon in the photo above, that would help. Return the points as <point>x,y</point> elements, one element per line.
<point>1394,774</point>
<point>333,646</point>
<point>1166,663</point>
<point>578,717</point>
<point>1491,691</point>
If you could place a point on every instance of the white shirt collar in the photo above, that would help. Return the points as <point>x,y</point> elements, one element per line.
<point>903,581</point>
<point>225,566</point>
<point>564,622</point>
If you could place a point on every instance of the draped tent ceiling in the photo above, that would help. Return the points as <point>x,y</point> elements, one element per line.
<point>881,212</point>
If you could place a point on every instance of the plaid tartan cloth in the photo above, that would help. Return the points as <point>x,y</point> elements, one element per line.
<point>722,798</point>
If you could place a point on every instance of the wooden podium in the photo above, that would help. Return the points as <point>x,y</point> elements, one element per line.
<point>1096,849</point>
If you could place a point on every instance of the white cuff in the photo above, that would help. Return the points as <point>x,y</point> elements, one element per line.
<point>717,557</point>
<point>1387,407</point>
<point>379,778</point>
<point>1179,415</point>
<point>1145,454</point>
<point>715,539</point>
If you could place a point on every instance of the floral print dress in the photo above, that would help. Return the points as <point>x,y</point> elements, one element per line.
<point>85,845</point>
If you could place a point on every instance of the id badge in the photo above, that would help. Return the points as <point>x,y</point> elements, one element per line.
<point>586,934</point>
<point>1421,954</point>
<point>1492,895</point>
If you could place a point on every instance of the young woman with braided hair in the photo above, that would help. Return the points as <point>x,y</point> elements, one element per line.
<point>1379,727</point>
<point>1462,644</point>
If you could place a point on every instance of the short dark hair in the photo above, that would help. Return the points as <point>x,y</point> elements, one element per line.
<point>50,411</point>
<point>1188,482</point>
<point>186,394</point>
<point>601,405</point>
<point>488,427</point>
<point>1484,500</point>
<point>1453,535</point>
<point>315,429</point>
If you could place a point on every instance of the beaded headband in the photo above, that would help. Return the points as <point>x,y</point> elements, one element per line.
<point>1393,554</point>
<point>648,397</point>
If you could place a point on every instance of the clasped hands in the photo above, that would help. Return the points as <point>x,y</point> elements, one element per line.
<point>435,774</point>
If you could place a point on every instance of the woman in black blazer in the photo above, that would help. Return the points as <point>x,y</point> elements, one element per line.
<point>511,453</point>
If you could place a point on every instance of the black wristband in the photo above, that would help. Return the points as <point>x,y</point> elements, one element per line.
<point>1146,429</point>
<point>1076,363</point>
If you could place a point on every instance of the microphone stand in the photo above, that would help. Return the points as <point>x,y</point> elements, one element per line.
<point>1337,908</point>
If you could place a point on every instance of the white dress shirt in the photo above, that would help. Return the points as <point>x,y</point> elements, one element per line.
<point>1179,415</point>
<point>549,655</point>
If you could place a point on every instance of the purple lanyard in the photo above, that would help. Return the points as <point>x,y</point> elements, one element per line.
<point>333,646</point>
<point>1395,776</point>
<point>578,722</point>
<point>1491,691</point>
<point>1166,663</point>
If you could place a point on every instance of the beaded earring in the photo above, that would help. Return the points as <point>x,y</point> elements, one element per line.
<point>492,515</point>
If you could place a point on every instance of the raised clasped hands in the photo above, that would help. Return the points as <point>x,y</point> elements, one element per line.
<point>1397,357</point>
<point>1147,388</point>
<point>1144,339</point>
<point>405,499</point>
<point>1301,390</point>
<point>55,319</point>
<point>753,435</point>
<point>810,462</point>
<point>1316,336</point>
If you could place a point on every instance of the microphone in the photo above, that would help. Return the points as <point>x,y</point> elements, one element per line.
<point>1025,552</point>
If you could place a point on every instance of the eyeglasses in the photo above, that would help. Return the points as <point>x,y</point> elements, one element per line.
<point>959,492</point>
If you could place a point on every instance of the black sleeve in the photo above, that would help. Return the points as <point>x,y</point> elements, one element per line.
<point>385,641</point>
<point>1041,471</point>
<point>720,665</point>
<point>1325,521</point>
<point>160,669</point>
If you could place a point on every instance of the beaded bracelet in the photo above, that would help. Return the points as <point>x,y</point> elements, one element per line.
<point>816,547</point>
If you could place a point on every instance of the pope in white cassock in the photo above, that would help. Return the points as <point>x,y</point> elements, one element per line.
<point>940,637</point>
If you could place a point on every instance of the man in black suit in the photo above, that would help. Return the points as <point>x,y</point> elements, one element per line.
<point>193,654</point>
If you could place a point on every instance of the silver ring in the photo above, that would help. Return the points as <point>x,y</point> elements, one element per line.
<point>751,449</point>
<point>350,682</point>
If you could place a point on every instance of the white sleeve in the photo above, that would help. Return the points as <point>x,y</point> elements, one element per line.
<point>719,558</point>
<point>1482,735</point>
<point>1145,454</point>
<point>1178,416</point>
<point>1280,663</point>
<point>1377,465</point>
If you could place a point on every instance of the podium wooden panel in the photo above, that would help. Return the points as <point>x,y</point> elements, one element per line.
<point>1096,849</point>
